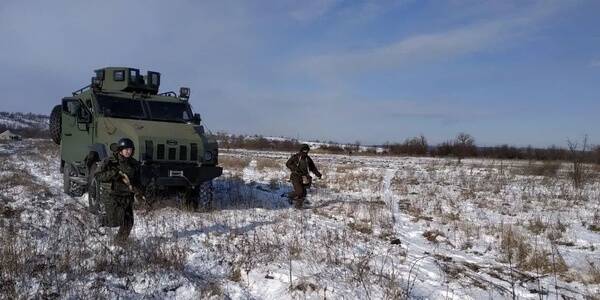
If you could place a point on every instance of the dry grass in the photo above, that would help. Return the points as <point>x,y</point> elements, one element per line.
<point>362,227</point>
<point>265,163</point>
<point>514,246</point>
<point>233,163</point>
<point>537,226</point>
<point>517,251</point>
<point>545,168</point>
<point>432,235</point>
<point>345,168</point>
<point>23,178</point>
<point>47,148</point>
<point>544,262</point>
<point>68,254</point>
<point>593,272</point>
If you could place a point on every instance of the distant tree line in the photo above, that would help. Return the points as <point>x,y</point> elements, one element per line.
<point>462,146</point>
<point>257,142</point>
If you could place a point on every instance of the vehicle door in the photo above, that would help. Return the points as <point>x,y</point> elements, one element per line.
<point>76,130</point>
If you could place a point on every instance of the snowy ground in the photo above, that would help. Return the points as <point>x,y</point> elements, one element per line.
<point>376,228</point>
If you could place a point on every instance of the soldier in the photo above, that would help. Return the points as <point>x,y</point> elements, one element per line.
<point>300,164</point>
<point>123,172</point>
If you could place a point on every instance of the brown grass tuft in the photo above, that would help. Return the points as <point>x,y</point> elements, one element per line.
<point>266,163</point>
<point>233,163</point>
<point>545,168</point>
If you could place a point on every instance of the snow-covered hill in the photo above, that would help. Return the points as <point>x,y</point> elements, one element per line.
<point>19,120</point>
<point>376,228</point>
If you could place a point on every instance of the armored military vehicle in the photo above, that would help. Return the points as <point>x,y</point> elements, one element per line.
<point>177,157</point>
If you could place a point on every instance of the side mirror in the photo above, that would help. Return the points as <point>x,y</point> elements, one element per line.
<point>196,119</point>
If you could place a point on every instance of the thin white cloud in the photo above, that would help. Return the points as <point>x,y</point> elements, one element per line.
<point>595,63</point>
<point>427,47</point>
<point>310,10</point>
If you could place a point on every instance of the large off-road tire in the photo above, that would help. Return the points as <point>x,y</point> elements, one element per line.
<point>201,197</point>
<point>95,203</point>
<point>71,187</point>
<point>206,193</point>
<point>55,123</point>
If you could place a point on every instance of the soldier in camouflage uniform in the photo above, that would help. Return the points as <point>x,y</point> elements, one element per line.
<point>122,171</point>
<point>300,164</point>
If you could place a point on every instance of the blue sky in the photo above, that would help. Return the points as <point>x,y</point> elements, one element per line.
<point>515,72</point>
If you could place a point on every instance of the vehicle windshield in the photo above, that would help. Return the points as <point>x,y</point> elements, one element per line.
<point>121,107</point>
<point>170,111</point>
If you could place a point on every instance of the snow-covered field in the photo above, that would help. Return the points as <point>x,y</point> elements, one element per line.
<point>376,228</point>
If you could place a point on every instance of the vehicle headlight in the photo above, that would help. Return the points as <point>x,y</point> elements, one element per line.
<point>208,156</point>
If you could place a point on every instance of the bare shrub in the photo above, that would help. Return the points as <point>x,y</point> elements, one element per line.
<point>464,146</point>
<point>542,262</point>
<point>579,174</point>
<point>513,246</point>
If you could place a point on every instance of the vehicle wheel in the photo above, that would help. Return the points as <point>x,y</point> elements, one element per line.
<point>93,191</point>
<point>71,187</point>
<point>55,123</point>
<point>202,196</point>
<point>66,179</point>
<point>151,194</point>
<point>205,194</point>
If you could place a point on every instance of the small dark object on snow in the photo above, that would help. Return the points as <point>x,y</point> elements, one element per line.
<point>269,277</point>
<point>396,242</point>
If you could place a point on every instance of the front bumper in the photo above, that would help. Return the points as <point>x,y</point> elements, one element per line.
<point>178,174</point>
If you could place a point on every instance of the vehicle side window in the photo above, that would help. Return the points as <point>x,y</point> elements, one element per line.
<point>72,107</point>
<point>119,75</point>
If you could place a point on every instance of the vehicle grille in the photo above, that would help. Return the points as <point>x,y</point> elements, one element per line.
<point>186,152</point>
<point>160,151</point>
<point>182,152</point>
<point>172,154</point>
<point>149,150</point>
